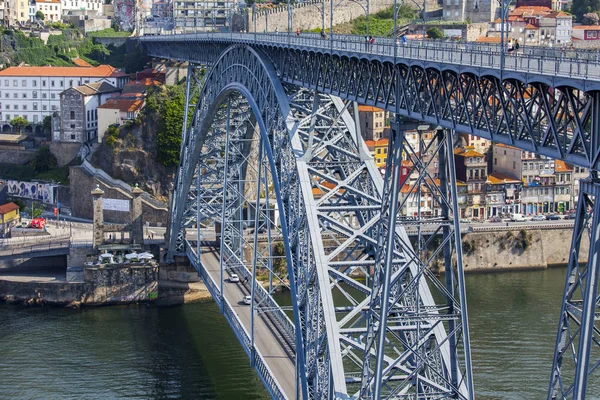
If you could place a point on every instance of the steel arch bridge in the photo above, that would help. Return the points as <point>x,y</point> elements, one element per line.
<point>271,153</point>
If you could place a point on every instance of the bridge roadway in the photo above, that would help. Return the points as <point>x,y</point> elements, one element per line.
<point>552,64</point>
<point>269,343</point>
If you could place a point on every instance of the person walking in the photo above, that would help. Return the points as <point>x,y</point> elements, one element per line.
<point>297,32</point>
<point>276,30</point>
<point>403,37</point>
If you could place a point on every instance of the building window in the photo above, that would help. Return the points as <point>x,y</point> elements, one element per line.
<point>72,137</point>
<point>7,95</point>
<point>24,95</point>
<point>34,83</point>
<point>71,83</point>
<point>72,114</point>
<point>6,83</point>
<point>53,107</point>
<point>8,117</point>
<point>24,83</point>
<point>44,107</point>
<point>44,83</point>
<point>16,107</point>
<point>52,95</point>
<point>24,107</point>
<point>52,83</point>
<point>15,95</point>
<point>72,126</point>
<point>8,106</point>
<point>34,94</point>
<point>15,83</point>
<point>35,117</point>
<point>44,95</point>
<point>35,106</point>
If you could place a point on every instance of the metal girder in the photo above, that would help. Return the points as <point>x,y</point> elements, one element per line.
<point>522,110</point>
<point>577,352</point>
<point>328,194</point>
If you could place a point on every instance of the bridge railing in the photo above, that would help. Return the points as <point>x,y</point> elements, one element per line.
<point>36,248</point>
<point>265,373</point>
<point>558,62</point>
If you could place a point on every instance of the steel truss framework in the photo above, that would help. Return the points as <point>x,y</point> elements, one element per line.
<point>577,353</point>
<point>553,117</point>
<point>253,141</point>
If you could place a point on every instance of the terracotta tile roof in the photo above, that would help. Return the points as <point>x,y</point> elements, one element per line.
<point>370,143</point>
<point>588,27</point>
<point>81,63</point>
<point>531,27</point>
<point>561,166</point>
<point>101,71</point>
<point>146,82</point>
<point>505,145</point>
<point>123,105</point>
<point>558,14</point>
<point>531,11</point>
<point>497,178</point>
<point>407,163</point>
<point>483,39</point>
<point>467,153</point>
<point>382,142</point>
<point>406,188</point>
<point>8,207</point>
<point>368,109</point>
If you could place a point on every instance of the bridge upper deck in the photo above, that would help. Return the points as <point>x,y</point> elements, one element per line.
<point>553,66</point>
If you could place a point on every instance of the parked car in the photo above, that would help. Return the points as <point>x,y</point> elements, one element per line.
<point>570,216</point>
<point>495,218</point>
<point>234,278</point>
<point>553,217</point>
<point>538,217</point>
<point>247,300</point>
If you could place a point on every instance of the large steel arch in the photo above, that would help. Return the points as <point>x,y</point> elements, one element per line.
<point>329,197</point>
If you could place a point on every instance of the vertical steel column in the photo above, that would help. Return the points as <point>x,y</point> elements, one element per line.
<point>396,157</point>
<point>577,324</point>
<point>224,206</point>
<point>255,252</point>
<point>460,273</point>
<point>198,247</point>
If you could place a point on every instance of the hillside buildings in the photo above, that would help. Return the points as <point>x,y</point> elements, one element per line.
<point>34,92</point>
<point>79,111</point>
<point>52,9</point>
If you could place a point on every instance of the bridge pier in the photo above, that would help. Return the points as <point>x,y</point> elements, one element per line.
<point>577,350</point>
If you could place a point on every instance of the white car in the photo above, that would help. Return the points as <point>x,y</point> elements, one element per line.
<point>248,300</point>
<point>234,278</point>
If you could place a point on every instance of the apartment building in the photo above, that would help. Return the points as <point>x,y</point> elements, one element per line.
<point>478,144</point>
<point>538,25</point>
<point>52,9</point>
<point>202,15</point>
<point>81,5</point>
<point>503,195</point>
<point>471,168</point>
<point>472,10</point>
<point>34,92</point>
<point>563,189</point>
<point>372,122</point>
<point>79,111</point>
<point>16,11</point>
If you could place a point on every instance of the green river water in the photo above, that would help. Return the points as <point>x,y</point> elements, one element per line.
<point>189,352</point>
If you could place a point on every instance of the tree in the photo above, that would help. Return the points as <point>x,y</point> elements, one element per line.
<point>36,210</point>
<point>434,33</point>
<point>168,139</point>
<point>43,160</point>
<point>39,15</point>
<point>47,124</point>
<point>590,18</point>
<point>581,7</point>
<point>19,123</point>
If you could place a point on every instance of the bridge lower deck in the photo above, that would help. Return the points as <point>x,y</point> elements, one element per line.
<point>268,342</point>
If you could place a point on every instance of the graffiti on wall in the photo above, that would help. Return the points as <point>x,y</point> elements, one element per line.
<point>43,192</point>
<point>125,13</point>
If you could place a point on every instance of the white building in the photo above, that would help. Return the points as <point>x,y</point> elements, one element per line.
<point>34,92</point>
<point>81,5</point>
<point>118,110</point>
<point>32,11</point>
<point>79,111</point>
<point>52,9</point>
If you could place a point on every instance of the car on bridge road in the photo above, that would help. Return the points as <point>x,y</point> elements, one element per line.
<point>538,217</point>
<point>553,217</point>
<point>234,278</point>
<point>247,300</point>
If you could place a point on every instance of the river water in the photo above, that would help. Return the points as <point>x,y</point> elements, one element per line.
<point>142,352</point>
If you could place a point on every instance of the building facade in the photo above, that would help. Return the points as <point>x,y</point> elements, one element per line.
<point>9,217</point>
<point>16,11</point>
<point>81,5</point>
<point>52,9</point>
<point>34,92</point>
<point>372,122</point>
<point>471,168</point>
<point>79,111</point>
<point>116,111</point>
<point>202,15</point>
